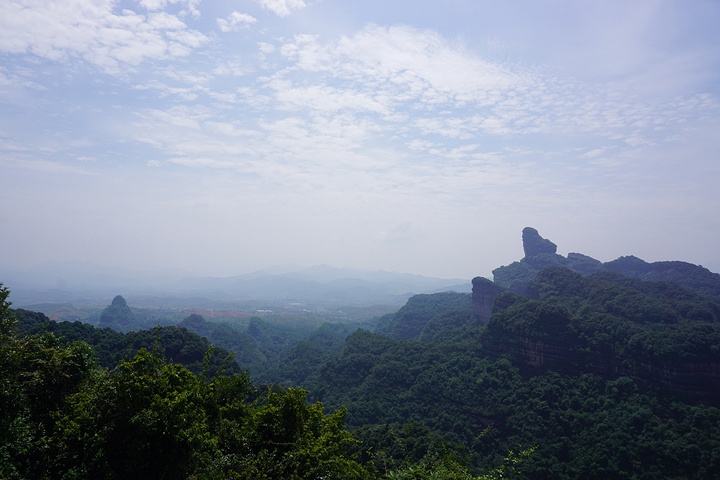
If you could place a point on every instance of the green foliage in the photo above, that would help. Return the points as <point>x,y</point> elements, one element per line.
<point>61,416</point>
<point>246,351</point>
<point>433,467</point>
<point>179,345</point>
<point>37,374</point>
<point>144,420</point>
<point>516,276</point>
<point>478,408</point>
<point>692,277</point>
<point>150,419</point>
<point>476,404</point>
<point>421,311</point>
<point>287,438</point>
<point>392,447</point>
<point>645,321</point>
<point>276,350</point>
<point>6,318</point>
<point>176,344</point>
<point>449,401</point>
<point>533,319</point>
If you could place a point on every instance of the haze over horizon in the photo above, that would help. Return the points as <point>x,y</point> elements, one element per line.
<point>420,137</point>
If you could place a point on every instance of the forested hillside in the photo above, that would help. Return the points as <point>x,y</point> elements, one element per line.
<point>591,370</point>
<point>109,347</point>
<point>64,417</point>
<point>582,370</point>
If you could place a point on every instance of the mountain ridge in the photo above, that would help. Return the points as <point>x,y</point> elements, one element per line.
<point>541,253</point>
<point>319,284</point>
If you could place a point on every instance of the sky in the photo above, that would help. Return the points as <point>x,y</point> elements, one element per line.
<point>221,137</point>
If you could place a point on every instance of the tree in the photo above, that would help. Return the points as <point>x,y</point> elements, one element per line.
<point>37,374</point>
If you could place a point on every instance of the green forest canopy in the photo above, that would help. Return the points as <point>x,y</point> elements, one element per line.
<point>64,417</point>
<point>609,376</point>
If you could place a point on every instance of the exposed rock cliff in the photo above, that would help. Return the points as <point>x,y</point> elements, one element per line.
<point>534,244</point>
<point>483,296</point>
<point>612,325</point>
<point>698,379</point>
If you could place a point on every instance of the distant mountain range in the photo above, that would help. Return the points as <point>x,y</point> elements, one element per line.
<point>85,284</point>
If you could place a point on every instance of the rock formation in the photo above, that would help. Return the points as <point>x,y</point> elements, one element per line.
<point>540,253</point>
<point>534,244</point>
<point>484,292</point>
<point>117,315</point>
<point>119,301</point>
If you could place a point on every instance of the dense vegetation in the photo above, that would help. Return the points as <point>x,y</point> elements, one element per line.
<point>596,373</point>
<point>578,367</point>
<point>629,318</point>
<point>585,424</point>
<point>424,316</point>
<point>64,417</point>
<point>109,347</point>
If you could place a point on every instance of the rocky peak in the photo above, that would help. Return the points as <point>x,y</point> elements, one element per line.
<point>534,244</point>
<point>119,301</point>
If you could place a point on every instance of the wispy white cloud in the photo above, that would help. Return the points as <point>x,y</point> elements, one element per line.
<point>282,8</point>
<point>235,21</point>
<point>381,131</point>
<point>409,62</point>
<point>375,104</point>
<point>95,31</point>
<point>190,6</point>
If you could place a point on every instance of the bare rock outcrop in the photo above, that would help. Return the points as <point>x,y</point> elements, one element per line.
<point>484,292</point>
<point>534,244</point>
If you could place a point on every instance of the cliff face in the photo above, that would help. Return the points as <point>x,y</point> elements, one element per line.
<point>534,352</point>
<point>483,296</point>
<point>698,379</point>
<point>611,325</point>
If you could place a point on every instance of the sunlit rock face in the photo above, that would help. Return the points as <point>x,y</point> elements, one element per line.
<point>534,244</point>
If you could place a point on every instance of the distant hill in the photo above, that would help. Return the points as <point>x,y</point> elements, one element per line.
<point>423,316</point>
<point>321,286</point>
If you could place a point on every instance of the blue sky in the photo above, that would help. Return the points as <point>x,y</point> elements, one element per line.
<point>412,136</point>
